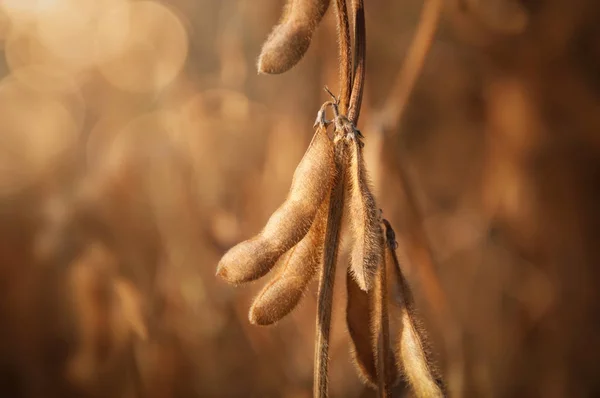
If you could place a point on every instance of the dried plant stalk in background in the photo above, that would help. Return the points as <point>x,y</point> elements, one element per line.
<point>312,180</point>
<point>300,265</point>
<point>289,41</point>
<point>413,348</point>
<point>404,83</point>
<point>109,314</point>
<point>500,16</point>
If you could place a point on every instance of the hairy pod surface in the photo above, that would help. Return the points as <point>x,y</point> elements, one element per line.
<point>290,39</point>
<point>363,218</point>
<point>300,265</point>
<point>414,353</point>
<point>368,326</point>
<point>359,319</point>
<point>312,181</point>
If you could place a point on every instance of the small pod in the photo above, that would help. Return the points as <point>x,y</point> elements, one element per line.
<point>363,218</point>
<point>414,353</point>
<point>290,39</point>
<point>312,181</point>
<point>300,265</point>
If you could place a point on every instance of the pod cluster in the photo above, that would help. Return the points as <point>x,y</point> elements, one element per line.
<point>295,234</point>
<point>302,237</point>
<point>296,239</point>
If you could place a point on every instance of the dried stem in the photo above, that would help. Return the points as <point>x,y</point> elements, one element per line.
<point>327,277</point>
<point>360,54</point>
<point>345,51</point>
<point>386,369</point>
<point>413,64</point>
<point>336,203</point>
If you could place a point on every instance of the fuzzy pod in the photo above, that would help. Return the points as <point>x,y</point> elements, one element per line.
<point>368,326</point>
<point>414,353</point>
<point>253,258</point>
<point>364,218</point>
<point>358,321</point>
<point>387,372</point>
<point>300,266</point>
<point>290,39</point>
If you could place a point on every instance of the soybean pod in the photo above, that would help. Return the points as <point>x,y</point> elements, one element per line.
<point>290,39</point>
<point>300,266</point>
<point>312,181</point>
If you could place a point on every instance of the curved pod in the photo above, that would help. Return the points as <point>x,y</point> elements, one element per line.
<point>312,181</point>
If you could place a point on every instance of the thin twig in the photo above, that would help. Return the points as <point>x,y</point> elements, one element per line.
<point>413,64</point>
<point>345,51</point>
<point>360,55</point>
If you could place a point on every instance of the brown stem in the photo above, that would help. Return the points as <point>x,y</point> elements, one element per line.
<point>345,51</point>
<point>360,54</point>
<point>327,277</point>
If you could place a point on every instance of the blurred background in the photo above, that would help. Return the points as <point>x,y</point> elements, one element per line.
<point>138,144</point>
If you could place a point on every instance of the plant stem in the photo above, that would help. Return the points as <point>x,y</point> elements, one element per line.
<point>345,50</point>
<point>327,277</point>
<point>360,53</point>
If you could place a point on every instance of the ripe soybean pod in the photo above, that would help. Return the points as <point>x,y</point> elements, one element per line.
<point>300,266</point>
<point>312,181</point>
<point>368,326</point>
<point>358,321</point>
<point>413,348</point>
<point>363,217</point>
<point>290,39</point>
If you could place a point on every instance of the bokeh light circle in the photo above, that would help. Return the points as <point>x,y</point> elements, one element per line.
<point>69,29</point>
<point>37,130</point>
<point>154,48</point>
